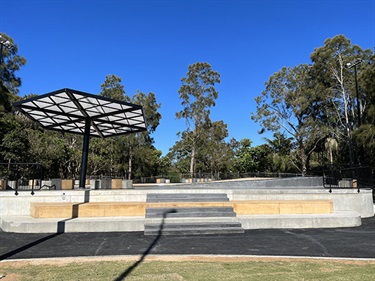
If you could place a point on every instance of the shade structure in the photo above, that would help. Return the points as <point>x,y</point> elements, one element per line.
<point>78,112</point>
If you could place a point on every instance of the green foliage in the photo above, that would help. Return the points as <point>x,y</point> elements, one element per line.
<point>10,62</point>
<point>132,155</point>
<point>111,88</point>
<point>250,159</point>
<point>365,135</point>
<point>291,103</point>
<point>215,153</point>
<point>198,93</point>
<point>14,143</point>
<point>281,148</point>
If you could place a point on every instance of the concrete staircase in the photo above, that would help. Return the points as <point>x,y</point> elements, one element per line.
<point>173,218</point>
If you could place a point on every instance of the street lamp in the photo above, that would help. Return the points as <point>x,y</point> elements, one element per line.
<point>350,65</point>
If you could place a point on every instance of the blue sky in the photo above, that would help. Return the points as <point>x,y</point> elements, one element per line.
<point>150,43</point>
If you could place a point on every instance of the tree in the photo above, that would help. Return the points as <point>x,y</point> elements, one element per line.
<point>281,148</point>
<point>180,152</point>
<point>249,159</point>
<point>111,88</point>
<point>198,95</point>
<point>242,151</point>
<point>365,135</point>
<point>338,86</point>
<point>13,139</point>
<point>290,103</point>
<point>127,154</point>
<point>139,146</point>
<point>215,154</point>
<point>14,143</point>
<point>104,152</point>
<point>10,62</point>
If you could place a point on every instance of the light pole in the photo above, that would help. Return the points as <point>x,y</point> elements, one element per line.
<point>350,65</point>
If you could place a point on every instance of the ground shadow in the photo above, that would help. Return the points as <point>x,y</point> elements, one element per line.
<point>146,253</point>
<point>60,230</point>
<point>28,246</point>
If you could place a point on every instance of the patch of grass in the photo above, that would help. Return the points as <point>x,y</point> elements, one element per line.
<point>192,270</point>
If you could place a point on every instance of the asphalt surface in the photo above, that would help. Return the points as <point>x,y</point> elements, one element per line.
<point>358,242</point>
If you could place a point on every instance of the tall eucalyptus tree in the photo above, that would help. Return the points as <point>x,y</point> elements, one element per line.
<point>198,95</point>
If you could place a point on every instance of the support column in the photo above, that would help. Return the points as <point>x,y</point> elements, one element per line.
<point>85,153</point>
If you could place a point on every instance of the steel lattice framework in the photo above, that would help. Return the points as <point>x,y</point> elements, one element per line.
<point>77,112</point>
<point>68,110</point>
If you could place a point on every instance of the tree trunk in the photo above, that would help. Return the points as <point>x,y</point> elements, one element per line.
<point>303,158</point>
<point>130,164</point>
<point>193,152</point>
<point>192,161</point>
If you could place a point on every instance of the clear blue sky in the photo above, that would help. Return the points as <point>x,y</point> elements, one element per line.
<point>150,43</point>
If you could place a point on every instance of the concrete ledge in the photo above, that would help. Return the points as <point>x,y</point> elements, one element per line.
<point>337,219</point>
<point>26,224</point>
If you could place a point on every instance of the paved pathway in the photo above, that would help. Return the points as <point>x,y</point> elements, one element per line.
<point>356,242</point>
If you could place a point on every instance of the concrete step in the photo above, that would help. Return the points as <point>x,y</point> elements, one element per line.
<point>190,212</point>
<point>194,231</point>
<point>187,197</point>
<point>193,228</point>
<point>168,220</point>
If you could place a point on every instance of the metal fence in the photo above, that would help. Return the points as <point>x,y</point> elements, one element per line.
<point>21,176</point>
<point>204,177</point>
<point>348,177</point>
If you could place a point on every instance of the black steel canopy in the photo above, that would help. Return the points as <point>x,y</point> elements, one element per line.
<point>67,110</point>
<point>77,112</point>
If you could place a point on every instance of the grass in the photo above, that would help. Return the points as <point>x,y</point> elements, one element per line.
<point>191,270</point>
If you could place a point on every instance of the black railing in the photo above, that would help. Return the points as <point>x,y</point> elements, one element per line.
<point>22,176</point>
<point>348,177</point>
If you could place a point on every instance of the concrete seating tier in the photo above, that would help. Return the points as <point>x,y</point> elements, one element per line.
<point>120,209</point>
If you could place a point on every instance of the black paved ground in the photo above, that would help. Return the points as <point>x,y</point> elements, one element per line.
<point>356,242</point>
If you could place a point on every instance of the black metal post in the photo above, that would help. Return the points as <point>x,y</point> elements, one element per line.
<point>350,65</point>
<point>357,96</point>
<point>361,150</point>
<point>85,153</point>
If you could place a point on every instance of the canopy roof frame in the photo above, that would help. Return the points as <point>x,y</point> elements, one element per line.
<point>78,112</point>
<point>121,117</point>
